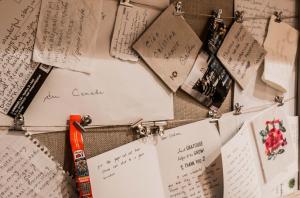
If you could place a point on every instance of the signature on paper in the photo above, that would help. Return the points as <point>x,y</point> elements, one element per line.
<point>50,97</point>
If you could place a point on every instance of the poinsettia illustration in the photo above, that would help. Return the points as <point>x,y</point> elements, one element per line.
<point>273,138</point>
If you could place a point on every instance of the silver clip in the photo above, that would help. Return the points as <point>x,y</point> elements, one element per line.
<point>237,109</point>
<point>85,121</point>
<point>126,3</point>
<point>145,129</point>
<point>279,100</point>
<point>214,115</point>
<point>19,122</point>
<point>138,127</point>
<point>179,9</point>
<point>160,127</point>
<point>279,16</point>
<point>239,16</point>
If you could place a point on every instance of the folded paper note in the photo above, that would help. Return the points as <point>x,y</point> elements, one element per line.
<point>115,93</point>
<point>67,33</point>
<point>182,163</point>
<point>241,54</point>
<point>281,44</point>
<point>169,47</point>
<point>28,171</point>
<point>130,23</point>
<point>20,78</point>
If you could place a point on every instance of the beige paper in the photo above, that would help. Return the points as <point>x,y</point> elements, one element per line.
<point>26,171</point>
<point>241,54</point>
<point>170,48</point>
<point>67,33</point>
<point>130,23</point>
<point>161,4</point>
<point>281,44</point>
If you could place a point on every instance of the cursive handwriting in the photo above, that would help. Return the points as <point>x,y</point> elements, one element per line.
<point>50,97</point>
<point>76,92</point>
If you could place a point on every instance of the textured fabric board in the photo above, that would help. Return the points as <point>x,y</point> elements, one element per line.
<point>186,109</point>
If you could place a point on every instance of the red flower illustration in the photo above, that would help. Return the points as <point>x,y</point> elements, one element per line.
<point>273,138</point>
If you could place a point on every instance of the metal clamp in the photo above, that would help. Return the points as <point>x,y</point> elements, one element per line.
<point>145,129</point>
<point>237,109</point>
<point>179,9</point>
<point>19,123</point>
<point>239,16</point>
<point>85,121</point>
<point>279,16</point>
<point>214,115</point>
<point>279,100</point>
<point>126,3</point>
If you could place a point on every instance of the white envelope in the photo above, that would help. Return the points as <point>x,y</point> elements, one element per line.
<point>115,93</point>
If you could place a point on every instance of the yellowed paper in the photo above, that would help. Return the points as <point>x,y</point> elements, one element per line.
<point>241,54</point>
<point>67,33</point>
<point>281,44</point>
<point>170,48</point>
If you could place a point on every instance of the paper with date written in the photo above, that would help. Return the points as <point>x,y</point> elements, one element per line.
<point>183,163</point>
<point>169,47</point>
<point>110,95</point>
<point>67,33</point>
<point>20,78</point>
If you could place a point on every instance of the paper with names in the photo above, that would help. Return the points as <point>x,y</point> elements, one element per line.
<point>130,23</point>
<point>169,47</point>
<point>259,93</point>
<point>19,77</point>
<point>241,54</point>
<point>26,171</point>
<point>241,133</point>
<point>168,166</point>
<point>67,33</point>
<point>109,95</point>
<point>281,44</point>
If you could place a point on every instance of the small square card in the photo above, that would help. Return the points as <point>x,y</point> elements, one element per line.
<point>169,47</point>
<point>241,54</point>
<point>274,142</point>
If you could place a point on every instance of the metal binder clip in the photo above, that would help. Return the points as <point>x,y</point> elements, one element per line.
<point>160,127</point>
<point>279,16</point>
<point>85,121</point>
<point>138,127</point>
<point>279,100</point>
<point>213,114</point>
<point>126,3</point>
<point>237,109</point>
<point>239,16</point>
<point>19,122</point>
<point>179,9</point>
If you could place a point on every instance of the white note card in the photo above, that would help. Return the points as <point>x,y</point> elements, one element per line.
<point>67,33</point>
<point>182,163</point>
<point>26,171</point>
<point>281,44</point>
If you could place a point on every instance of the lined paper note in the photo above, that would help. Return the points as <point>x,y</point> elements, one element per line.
<point>67,33</point>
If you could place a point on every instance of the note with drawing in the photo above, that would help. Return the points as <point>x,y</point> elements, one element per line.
<point>130,23</point>
<point>169,47</point>
<point>67,33</point>
<point>20,78</point>
<point>109,94</point>
<point>281,44</point>
<point>241,54</point>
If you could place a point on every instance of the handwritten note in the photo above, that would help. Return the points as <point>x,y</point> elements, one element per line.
<point>17,33</point>
<point>170,48</point>
<point>181,163</point>
<point>241,54</point>
<point>161,4</point>
<point>27,172</point>
<point>130,23</point>
<point>67,33</point>
<point>281,44</point>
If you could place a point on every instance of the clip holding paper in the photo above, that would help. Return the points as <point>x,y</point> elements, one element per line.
<point>217,15</point>
<point>19,122</point>
<point>214,115</point>
<point>126,3</point>
<point>85,121</point>
<point>239,16</point>
<point>237,109</point>
<point>279,100</point>
<point>179,9</point>
<point>279,16</point>
<point>145,129</point>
